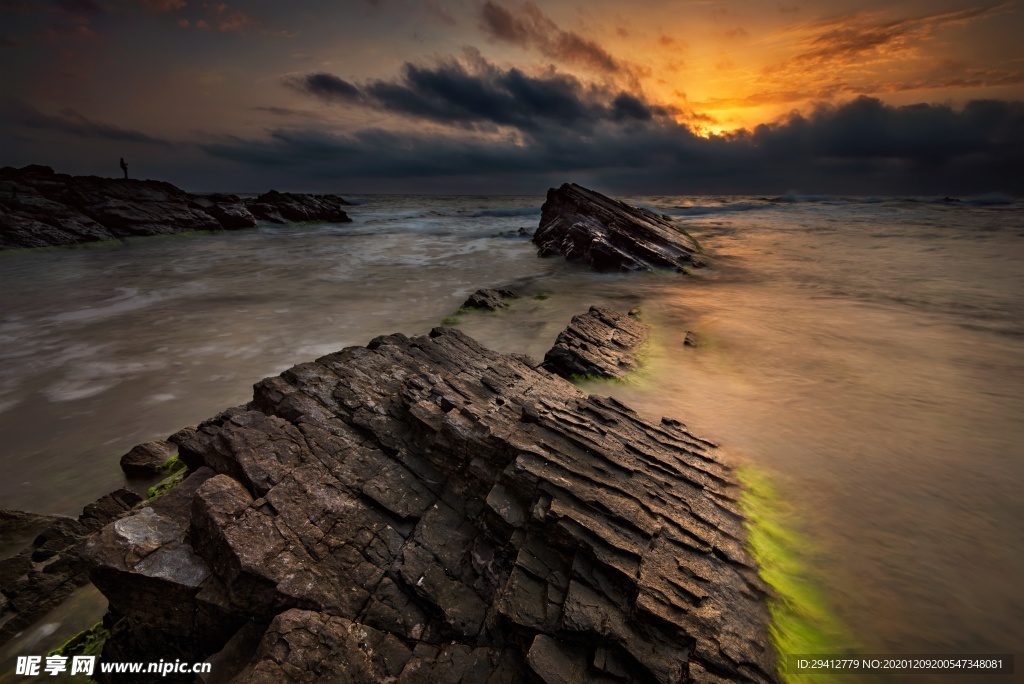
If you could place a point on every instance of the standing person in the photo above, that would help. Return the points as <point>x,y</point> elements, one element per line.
<point>124,167</point>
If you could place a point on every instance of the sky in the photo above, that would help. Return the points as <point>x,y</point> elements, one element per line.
<point>512,97</point>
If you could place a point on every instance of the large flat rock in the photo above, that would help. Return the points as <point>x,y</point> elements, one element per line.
<point>423,510</point>
<point>583,225</point>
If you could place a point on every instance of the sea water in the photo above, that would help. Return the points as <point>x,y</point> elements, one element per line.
<point>866,353</point>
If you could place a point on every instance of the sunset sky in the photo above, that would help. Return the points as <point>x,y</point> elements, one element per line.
<point>484,96</point>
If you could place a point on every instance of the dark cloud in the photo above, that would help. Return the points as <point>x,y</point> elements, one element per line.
<point>69,122</point>
<point>862,146</point>
<point>484,96</point>
<point>528,26</point>
<point>325,86</point>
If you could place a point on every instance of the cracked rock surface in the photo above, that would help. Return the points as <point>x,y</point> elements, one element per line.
<point>426,510</point>
<point>601,342</point>
<point>583,225</point>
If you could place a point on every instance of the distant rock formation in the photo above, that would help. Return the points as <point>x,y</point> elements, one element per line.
<point>288,207</point>
<point>610,235</point>
<point>601,343</point>
<point>40,208</point>
<point>423,510</point>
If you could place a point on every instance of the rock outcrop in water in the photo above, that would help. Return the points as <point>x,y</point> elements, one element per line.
<point>601,343</point>
<point>46,571</point>
<point>289,207</point>
<point>610,235</point>
<point>491,300</point>
<point>40,208</point>
<point>426,510</point>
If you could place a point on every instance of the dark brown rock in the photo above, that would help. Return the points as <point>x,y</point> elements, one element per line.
<point>600,343</point>
<point>40,208</point>
<point>691,339</point>
<point>45,572</point>
<point>287,207</point>
<point>610,235</point>
<point>426,510</point>
<point>488,299</point>
<point>145,459</point>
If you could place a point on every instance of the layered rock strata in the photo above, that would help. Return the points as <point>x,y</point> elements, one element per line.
<point>601,343</point>
<point>426,510</point>
<point>40,208</point>
<point>583,225</point>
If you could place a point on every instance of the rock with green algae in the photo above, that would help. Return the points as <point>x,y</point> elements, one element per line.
<point>424,506</point>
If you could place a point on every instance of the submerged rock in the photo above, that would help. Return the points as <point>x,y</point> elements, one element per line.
<point>46,571</point>
<point>610,235</point>
<point>600,343</point>
<point>40,208</point>
<point>424,510</point>
<point>488,299</point>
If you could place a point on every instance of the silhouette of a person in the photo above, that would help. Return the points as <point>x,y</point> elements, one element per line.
<point>124,167</point>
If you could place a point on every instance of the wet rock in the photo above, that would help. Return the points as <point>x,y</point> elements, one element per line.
<point>610,235</point>
<point>488,299</point>
<point>426,510</point>
<point>40,208</point>
<point>287,207</point>
<point>45,572</point>
<point>600,343</point>
<point>145,459</point>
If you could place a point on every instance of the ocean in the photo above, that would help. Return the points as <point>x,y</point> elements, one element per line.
<point>866,353</point>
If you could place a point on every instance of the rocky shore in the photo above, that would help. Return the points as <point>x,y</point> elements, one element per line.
<point>40,208</point>
<point>422,510</point>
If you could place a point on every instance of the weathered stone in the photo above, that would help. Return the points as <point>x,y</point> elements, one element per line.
<point>426,510</point>
<point>145,459</point>
<point>691,339</point>
<point>600,343</point>
<point>610,235</point>
<point>42,574</point>
<point>488,299</point>
<point>40,208</point>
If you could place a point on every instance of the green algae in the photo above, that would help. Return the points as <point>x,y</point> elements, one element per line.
<point>801,620</point>
<point>86,643</point>
<point>176,468</point>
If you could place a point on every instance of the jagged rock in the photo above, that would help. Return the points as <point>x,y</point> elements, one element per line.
<point>44,573</point>
<point>228,210</point>
<point>488,299</point>
<point>600,342</point>
<point>40,208</point>
<point>426,510</point>
<point>285,207</point>
<point>610,235</point>
<point>145,459</point>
